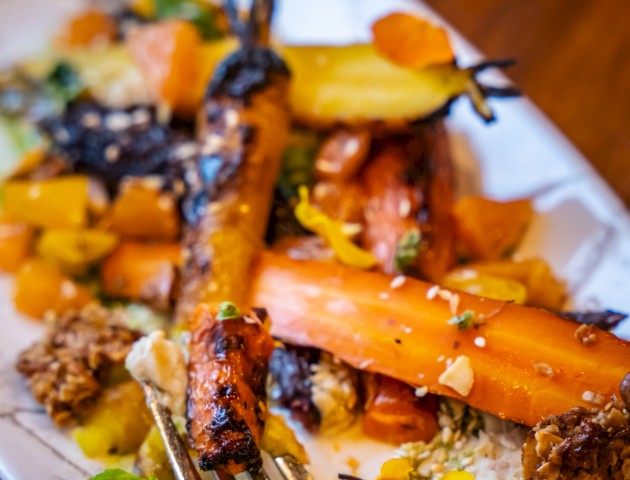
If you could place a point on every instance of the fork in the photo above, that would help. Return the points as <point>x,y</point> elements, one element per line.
<point>184,467</point>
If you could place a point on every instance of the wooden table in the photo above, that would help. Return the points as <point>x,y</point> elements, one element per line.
<point>573,62</point>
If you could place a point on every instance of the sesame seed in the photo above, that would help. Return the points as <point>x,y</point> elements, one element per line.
<point>441,358</point>
<point>112,153</point>
<point>480,342</point>
<point>432,292</point>
<point>118,121</point>
<point>398,282</point>
<point>404,208</point>
<point>447,435</point>
<point>444,294</point>
<point>421,391</point>
<point>383,296</point>
<point>453,303</point>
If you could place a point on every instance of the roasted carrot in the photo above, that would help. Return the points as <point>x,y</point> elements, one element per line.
<point>90,28</point>
<point>15,243</point>
<point>142,271</point>
<point>521,363</point>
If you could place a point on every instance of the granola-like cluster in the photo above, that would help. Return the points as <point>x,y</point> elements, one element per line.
<point>66,369</point>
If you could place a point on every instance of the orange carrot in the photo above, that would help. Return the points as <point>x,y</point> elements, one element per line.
<point>142,271</point>
<point>15,243</point>
<point>42,287</point>
<point>522,363</point>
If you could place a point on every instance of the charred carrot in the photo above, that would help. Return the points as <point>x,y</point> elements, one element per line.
<point>515,362</point>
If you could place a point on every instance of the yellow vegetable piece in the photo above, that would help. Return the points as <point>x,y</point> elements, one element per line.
<point>395,469</point>
<point>278,439</point>
<point>15,243</point>
<point>75,250</point>
<point>144,8</point>
<point>151,458</point>
<point>458,475</point>
<point>61,202</point>
<point>484,285</point>
<point>118,424</point>
<point>334,232</point>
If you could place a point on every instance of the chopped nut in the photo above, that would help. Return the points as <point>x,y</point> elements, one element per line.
<point>421,391</point>
<point>459,376</point>
<point>593,397</point>
<point>398,282</point>
<point>432,292</point>
<point>543,369</point>
<point>586,334</point>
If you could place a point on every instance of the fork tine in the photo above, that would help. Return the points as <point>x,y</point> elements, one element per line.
<point>291,469</point>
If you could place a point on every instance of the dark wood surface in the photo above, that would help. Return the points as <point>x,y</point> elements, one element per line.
<point>573,62</point>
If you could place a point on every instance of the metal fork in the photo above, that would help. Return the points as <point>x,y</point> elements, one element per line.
<point>184,467</point>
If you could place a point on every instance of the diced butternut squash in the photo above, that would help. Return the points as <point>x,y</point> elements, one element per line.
<point>90,28</point>
<point>61,202</point>
<point>42,287</point>
<point>15,243</point>
<point>278,439</point>
<point>142,271</point>
<point>543,288</point>
<point>74,250</point>
<point>118,423</point>
<point>142,210</point>
<point>490,286</point>
<point>394,414</point>
<point>488,229</point>
<point>168,55</point>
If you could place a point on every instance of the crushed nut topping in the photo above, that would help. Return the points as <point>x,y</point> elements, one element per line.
<point>459,376</point>
<point>544,369</point>
<point>65,370</point>
<point>586,334</point>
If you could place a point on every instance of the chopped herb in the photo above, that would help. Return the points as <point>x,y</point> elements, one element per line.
<point>204,17</point>
<point>118,474</point>
<point>298,163</point>
<point>64,82</point>
<point>407,250</point>
<point>228,310</point>
<point>463,321</point>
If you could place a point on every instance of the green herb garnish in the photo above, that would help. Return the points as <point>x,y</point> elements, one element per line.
<point>202,16</point>
<point>407,250</point>
<point>64,82</point>
<point>298,163</point>
<point>463,321</point>
<point>228,310</point>
<point>118,474</point>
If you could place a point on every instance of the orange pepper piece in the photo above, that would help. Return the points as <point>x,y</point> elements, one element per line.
<point>90,28</point>
<point>41,287</point>
<point>411,41</point>
<point>168,55</point>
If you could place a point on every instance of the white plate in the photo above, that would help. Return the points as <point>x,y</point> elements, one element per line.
<point>582,229</point>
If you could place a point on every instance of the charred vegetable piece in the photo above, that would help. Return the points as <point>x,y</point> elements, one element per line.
<point>67,369</point>
<point>606,320</point>
<point>41,287</point>
<point>331,87</point>
<point>243,128</point>
<point>226,389</point>
<point>394,414</point>
<point>487,229</point>
<point>534,379</point>
<point>142,271</point>
<point>144,211</point>
<point>115,143</point>
<point>117,424</point>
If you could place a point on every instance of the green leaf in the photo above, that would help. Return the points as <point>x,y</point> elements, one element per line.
<point>407,250</point>
<point>463,321</point>
<point>228,310</point>
<point>298,163</point>
<point>64,82</point>
<point>118,474</point>
<point>203,17</point>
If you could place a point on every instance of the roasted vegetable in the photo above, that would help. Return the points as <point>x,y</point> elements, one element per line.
<point>279,440</point>
<point>75,250</point>
<point>243,127</point>
<point>15,243</point>
<point>547,365</point>
<point>41,287</point>
<point>142,271</point>
<point>500,288</point>
<point>144,211</point>
<point>57,203</point>
<point>227,371</point>
<point>331,86</point>
<point>487,229</point>
<point>118,423</point>
<point>394,414</point>
<point>90,28</point>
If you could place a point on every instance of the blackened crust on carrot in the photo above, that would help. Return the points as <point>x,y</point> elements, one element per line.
<point>245,72</point>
